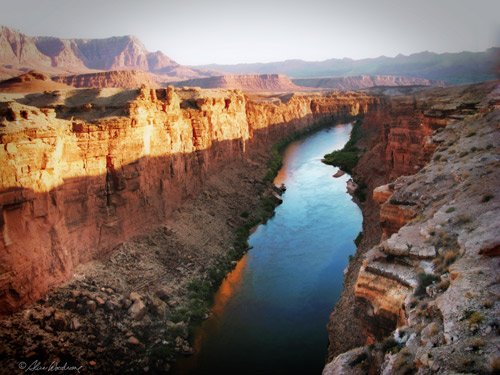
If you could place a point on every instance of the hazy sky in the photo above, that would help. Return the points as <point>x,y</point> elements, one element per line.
<point>231,31</point>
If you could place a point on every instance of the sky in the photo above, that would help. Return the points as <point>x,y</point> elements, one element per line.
<point>196,32</point>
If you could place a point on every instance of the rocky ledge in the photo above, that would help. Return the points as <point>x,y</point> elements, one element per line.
<point>427,297</point>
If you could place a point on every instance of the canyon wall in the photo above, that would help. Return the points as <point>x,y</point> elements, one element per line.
<point>117,78</point>
<point>436,225</point>
<point>83,170</point>
<point>246,82</point>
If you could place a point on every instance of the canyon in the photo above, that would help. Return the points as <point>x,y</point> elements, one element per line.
<point>84,170</point>
<point>35,81</point>
<point>114,200</point>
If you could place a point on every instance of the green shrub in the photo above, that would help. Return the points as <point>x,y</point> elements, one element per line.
<point>180,315</point>
<point>163,352</point>
<point>347,158</point>
<point>450,210</point>
<point>358,239</point>
<point>362,191</point>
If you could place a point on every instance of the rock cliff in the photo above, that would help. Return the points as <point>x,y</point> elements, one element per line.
<point>363,82</point>
<point>110,79</point>
<point>416,287</point>
<point>248,82</point>
<point>83,170</point>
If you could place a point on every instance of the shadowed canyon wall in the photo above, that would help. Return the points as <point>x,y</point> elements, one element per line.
<point>83,170</point>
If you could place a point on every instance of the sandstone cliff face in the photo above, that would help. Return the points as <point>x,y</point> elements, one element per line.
<point>248,82</point>
<point>437,225</point>
<point>110,79</point>
<point>83,170</point>
<point>363,82</point>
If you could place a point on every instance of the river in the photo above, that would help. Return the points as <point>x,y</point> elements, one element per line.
<point>270,313</point>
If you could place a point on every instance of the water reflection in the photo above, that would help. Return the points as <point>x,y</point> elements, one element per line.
<point>270,313</point>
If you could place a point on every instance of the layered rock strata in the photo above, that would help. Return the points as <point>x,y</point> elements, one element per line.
<point>84,170</point>
<point>110,79</point>
<point>438,236</point>
<point>246,82</point>
<point>363,81</point>
<point>19,52</point>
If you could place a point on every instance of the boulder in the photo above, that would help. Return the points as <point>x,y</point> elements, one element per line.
<point>60,321</point>
<point>137,310</point>
<point>160,308</point>
<point>133,341</point>
<point>164,293</point>
<point>91,305</point>
<point>134,296</point>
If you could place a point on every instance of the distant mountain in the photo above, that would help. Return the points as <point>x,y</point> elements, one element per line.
<point>454,68</point>
<point>20,53</point>
<point>363,82</point>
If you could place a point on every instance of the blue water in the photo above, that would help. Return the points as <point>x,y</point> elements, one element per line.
<point>270,314</point>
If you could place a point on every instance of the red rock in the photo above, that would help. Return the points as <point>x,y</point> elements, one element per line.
<point>137,310</point>
<point>393,217</point>
<point>133,341</point>
<point>245,82</point>
<point>121,78</point>
<point>75,186</point>
<point>53,55</point>
<point>91,305</point>
<point>382,194</point>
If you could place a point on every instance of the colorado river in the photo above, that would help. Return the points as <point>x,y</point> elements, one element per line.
<point>270,313</point>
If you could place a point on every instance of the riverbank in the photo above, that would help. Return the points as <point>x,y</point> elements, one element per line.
<point>169,274</point>
<point>91,320</point>
<point>280,296</point>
